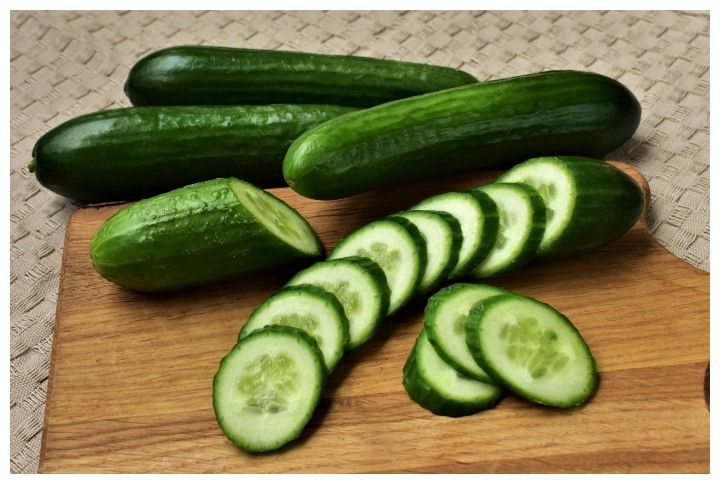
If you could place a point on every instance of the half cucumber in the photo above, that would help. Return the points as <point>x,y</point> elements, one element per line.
<point>589,202</point>
<point>522,223</point>
<point>445,315</point>
<point>267,387</point>
<point>309,308</point>
<point>359,285</point>
<point>438,387</point>
<point>533,350</point>
<point>397,247</point>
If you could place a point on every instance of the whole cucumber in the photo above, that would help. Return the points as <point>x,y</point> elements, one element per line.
<point>197,75</point>
<point>462,129</point>
<point>130,153</point>
<point>205,232</point>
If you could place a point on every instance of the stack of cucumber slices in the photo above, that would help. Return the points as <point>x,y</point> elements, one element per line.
<point>476,338</point>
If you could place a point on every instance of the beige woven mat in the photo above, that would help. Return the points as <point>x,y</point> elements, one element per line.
<point>67,63</point>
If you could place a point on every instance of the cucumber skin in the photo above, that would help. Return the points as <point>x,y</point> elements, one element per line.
<point>431,308</point>
<point>462,129</point>
<point>609,202</point>
<point>471,329</point>
<point>428,398</point>
<point>297,333</point>
<point>130,153</point>
<point>534,238</point>
<point>201,75</point>
<point>187,237</point>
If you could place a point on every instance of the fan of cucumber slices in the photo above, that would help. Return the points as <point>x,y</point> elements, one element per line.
<point>477,340</point>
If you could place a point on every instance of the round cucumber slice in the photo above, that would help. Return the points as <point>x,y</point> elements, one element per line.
<point>522,224</point>
<point>438,387</point>
<point>442,232</point>
<point>445,315</point>
<point>267,387</point>
<point>359,284</point>
<point>278,217</point>
<point>397,247</point>
<point>309,308</point>
<point>588,202</point>
<point>478,218</point>
<point>532,349</point>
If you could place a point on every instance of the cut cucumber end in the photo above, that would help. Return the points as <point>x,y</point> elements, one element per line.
<point>278,217</point>
<point>266,389</point>
<point>32,166</point>
<point>532,349</point>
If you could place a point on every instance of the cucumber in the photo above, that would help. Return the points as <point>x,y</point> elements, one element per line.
<point>309,308</point>
<point>201,233</point>
<point>267,387</point>
<point>220,75</point>
<point>359,284</point>
<point>522,224</point>
<point>589,202</point>
<point>438,387</point>
<point>397,247</point>
<point>462,129</point>
<point>131,153</point>
<point>441,232</point>
<point>445,315</point>
<point>531,349</point>
<point>478,218</point>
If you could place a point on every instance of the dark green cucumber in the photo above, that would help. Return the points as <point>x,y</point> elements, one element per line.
<point>201,233</point>
<point>589,202</point>
<point>462,129</point>
<point>199,75</point>
<point>438,387</point>
<point>131,153</point>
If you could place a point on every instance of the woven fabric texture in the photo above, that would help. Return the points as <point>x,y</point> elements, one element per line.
<point>68,63</point>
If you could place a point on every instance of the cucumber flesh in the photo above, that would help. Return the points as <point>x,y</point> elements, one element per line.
<point>438,387</point>
<point>522,224</point>
<point>533,350</point>
<point>397,247</point>
<point>445,316</point>
<point>588,202</point>
<point>443,234</point>
<point>478,218</point>
<point>267,387</point>
<point>359,284</point>
<point>308,308</point>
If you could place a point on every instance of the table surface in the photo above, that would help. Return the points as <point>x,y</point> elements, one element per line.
<point>64,64</point>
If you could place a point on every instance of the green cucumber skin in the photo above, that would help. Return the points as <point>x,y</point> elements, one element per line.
<point>317,354</point>
<point>130,153</point>
<point>534,238</point>
<point>428,398</point>
<point>201,75</point>
<point>187,237</point>
<point>609,202</point>
<point>462,129</point>
<point>471,333</point>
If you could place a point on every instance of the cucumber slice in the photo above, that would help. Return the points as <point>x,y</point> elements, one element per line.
<point>438,387</point>
<point>478,219</point>
<point>589,202</point>
<point>359,284</point>
<point>397,247</point>
<point>442,232</point>
<point>267,388</point>
<point>522,224</point>
<point>445,316</point>
<point>531,349</point>
<point>309,308</point>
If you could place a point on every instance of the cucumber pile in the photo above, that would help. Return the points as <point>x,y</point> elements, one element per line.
<point>478,340</point>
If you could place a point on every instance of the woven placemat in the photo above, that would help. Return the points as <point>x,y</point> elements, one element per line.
<point>67,63</point>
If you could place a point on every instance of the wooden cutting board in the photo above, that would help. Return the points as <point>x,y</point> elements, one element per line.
<point>130,378</point>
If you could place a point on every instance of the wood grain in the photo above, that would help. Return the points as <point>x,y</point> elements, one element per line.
<point>131,374</point>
